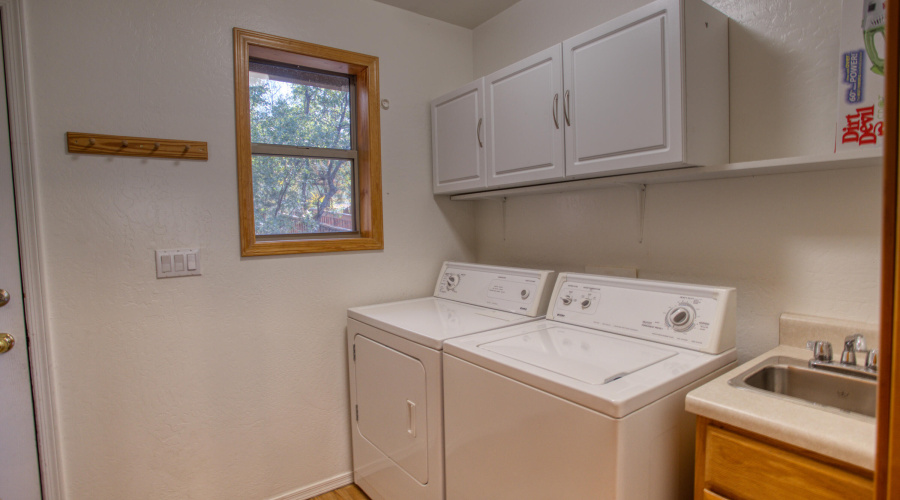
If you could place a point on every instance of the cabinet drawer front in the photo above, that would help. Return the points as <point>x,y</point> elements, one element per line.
<point>708,495</point>
<point>738,467</point>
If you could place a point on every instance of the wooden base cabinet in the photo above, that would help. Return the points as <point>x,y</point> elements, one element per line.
<point>735,464</point>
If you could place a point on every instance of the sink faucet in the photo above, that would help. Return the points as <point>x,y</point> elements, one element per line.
<point>823,357</point>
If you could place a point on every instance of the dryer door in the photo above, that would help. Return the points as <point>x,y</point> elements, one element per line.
<point>390,398</point>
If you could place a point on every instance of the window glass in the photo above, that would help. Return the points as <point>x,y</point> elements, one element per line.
<point>296,107</point>
<point>297,195</point>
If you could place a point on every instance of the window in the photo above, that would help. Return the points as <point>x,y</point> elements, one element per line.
<point>308,147</point>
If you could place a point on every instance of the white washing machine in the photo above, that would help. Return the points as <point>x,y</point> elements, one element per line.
<point>395,365</point>
<point>589,402</point>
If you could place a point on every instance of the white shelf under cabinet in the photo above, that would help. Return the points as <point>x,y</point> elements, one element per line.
<point>833,161</point>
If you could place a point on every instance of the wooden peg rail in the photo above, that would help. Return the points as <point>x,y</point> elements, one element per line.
<point>98,144</point>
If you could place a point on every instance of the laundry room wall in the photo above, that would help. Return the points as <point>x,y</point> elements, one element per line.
<point>806,243</point>
<point>233,384</point>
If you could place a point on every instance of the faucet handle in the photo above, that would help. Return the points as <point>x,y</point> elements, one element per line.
<point>872,360</point>
<point>853,344</point>
<point>821,350</point>
<point>859,342</point>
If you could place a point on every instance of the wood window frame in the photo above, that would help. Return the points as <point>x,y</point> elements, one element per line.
<point>364,68</point>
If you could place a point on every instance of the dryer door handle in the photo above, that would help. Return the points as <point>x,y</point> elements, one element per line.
<point>411,422</point>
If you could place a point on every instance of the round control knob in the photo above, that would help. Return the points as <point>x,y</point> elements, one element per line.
<point>586,303</point>
<point>681,318</point>
<point>525,294</point>
<point>452,281</point>
<point>567,300</point>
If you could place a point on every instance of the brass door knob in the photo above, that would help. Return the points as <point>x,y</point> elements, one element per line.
<point>6,342</point>
<point>4,297</point>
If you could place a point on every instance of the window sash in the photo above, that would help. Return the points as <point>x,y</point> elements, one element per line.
<point>364,71</point>
<point>352,92</point>
<point>354,204</point>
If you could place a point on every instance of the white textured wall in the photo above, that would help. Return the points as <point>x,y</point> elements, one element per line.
<point>804,243</point>
<point>231,385</point>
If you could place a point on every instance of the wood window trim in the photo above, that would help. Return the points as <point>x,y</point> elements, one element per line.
<point>365,69</point>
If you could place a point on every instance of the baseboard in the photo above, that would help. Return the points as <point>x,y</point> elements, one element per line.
<point>312,490</point>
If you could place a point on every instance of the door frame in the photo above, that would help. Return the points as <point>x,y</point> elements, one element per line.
<point>21,148</point>
<point>887,454</point>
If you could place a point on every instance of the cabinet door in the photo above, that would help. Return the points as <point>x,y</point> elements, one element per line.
<point>457,140</point>
<point>623,84</point>
<point>523,121</point>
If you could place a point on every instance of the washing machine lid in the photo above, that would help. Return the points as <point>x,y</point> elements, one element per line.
<point>430,321</point>
<point>578,354</point>
<point>606,372</point>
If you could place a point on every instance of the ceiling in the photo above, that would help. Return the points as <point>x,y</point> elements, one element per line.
<point>465,13</point>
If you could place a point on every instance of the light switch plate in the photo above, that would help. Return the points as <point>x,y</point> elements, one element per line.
<point>179,262</point>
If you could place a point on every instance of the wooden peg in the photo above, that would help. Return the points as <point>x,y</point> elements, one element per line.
<point>187,147</point>
<point>155,146</point>
<point>124,144</point>
<point>92,141</point>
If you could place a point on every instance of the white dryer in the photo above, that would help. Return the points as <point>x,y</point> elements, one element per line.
<point>588,403</point>
<point>395,367</point>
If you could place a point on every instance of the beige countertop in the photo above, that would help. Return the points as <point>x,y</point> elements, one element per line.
<point>844,437</point>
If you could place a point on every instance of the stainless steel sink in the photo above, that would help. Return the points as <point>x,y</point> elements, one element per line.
<point>793,379</point>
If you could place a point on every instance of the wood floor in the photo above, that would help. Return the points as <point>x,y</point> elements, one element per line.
<point>350,492</point>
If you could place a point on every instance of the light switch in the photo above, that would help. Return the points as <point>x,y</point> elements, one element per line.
<point>180,262</point>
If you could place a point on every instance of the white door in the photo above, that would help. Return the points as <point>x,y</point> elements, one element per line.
<point>524,122</point>
<point>391,405</point>
<point>19,477</point>
<point>457,140</point>
<point>623,93</point>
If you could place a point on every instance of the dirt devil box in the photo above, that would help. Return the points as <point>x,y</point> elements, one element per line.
<point>861,89</point>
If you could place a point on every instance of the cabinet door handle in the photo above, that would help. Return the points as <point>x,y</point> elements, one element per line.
<point>478,133</point>
<point>556,109</point>
<point>566,109</point>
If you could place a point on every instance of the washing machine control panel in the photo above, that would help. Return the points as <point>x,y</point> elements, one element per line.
<point>696,317</point>
<point>522,291</point>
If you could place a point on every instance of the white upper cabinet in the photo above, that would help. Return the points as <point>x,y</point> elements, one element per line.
<point>457,140</point>
<point>648,91</point>
<point>523,123</point>
<point>645,91</point>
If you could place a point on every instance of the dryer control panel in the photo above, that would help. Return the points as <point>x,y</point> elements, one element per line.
<point>702,318</point>
<point>522,291</point>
